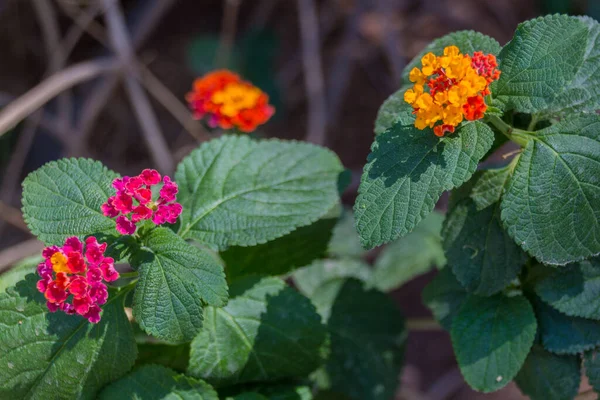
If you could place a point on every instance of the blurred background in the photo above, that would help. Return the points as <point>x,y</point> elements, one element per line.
<point>111,85</point>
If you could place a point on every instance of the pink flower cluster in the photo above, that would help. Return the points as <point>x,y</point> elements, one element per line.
<point>133,201</point>
<point>69,270</point>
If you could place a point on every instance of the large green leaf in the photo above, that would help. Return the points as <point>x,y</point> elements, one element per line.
<point>467,41</point>
<point>541,62</point>
<point>345,241</point>
<point>444,296</point>
<point>167,355</point>
<point>410,256</point>
<point>63,199</point>
<point>490,186</point>
<point>367,343</point>
<point>562,334</point>
<point>287,392</point>
<point>546,376</point>
<point>282,255</point>
<point>550,207</point>
<point>582,93</point>
<point>407,172</point>
<point>491,337</point>
<point>573,290</point>
<point>19,271</point>
<point>267,331</point>
<point>394,110</point>
<point>322,280</point>
<point>155,382</point>
<point>591,362</point>
<point>57,356</point>
<point>176,280</point>
<point>481,254</point>
<point>241,192</point>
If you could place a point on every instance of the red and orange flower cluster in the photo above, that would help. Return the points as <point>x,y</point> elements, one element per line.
<point>456,83</point>
<point>133,201</point>
<point>229,102</point>
<point>72,270</point>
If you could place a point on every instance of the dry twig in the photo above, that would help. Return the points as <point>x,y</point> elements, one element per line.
<point>313,72</point>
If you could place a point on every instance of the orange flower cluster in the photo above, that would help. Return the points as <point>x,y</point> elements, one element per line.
<point>456,85</point>
<point>229,102</point>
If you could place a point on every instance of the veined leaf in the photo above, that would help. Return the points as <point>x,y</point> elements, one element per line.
<point>57,356</point>
<point>546,376</point>
<point>481,254</point>
<point>562,334</point>
<point>410,256</point>
<point>467,41</point>
<point>171,356</point>
<point>19,271</point>
<point>267,331</point>
<point>345,241</point>
<point>367,343</point>
<point>240,192</point>
<point>157,382</point>
<point>491,337</point>
<point>393,111</point>
<point>550,207</point>
<point>573,290</point>
<point>282,255</point>
<point>591,362</point>
<point>490,186</point>
<point>322,280</point>
<point>444,296</point>
<point>63,199</point>
<point>407,172</point>
<point>541,62</point>
<point>176,280</point>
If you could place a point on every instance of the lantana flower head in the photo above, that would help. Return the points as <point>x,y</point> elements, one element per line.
<point>134,201</point>
<point>450,88</point>
<point>228,101</point>
<point>72,277</point>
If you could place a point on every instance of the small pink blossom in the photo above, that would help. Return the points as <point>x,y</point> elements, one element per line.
<point>71,277</point>
<point>133,202</point>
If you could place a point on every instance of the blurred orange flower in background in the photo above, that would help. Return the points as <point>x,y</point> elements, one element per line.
<point>229,102</point>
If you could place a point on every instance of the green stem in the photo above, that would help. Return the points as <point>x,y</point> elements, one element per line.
<point>131,274</point>
<point>533,123</point>
<point>518,136</point>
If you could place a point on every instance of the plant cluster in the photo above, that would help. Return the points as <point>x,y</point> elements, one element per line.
<point>519,294</point>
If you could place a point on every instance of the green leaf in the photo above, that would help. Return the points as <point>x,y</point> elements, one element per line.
<point>282,255</point>
<point>345,241</point>
<point>562,334</point>
<point>176,280</point>
<point>467,41</point>
<point>57,356</point>
<point>491,337</point>
<point>171,356</point>
<point>407,172</point>
<point>550,206</point>
<point>582,93</point>
<point>546,376</point>
<point>541,62</point>
<point>393,111</point>
<point>482,255</point>
<point>63,199</point>
<point>240,192</point>
<point>490,186</point>
<point>591,362</point>
<point>367,343</point>
<point>413,255</point>
<point>444,296</point>
<point>322,280</point>
<point>287,392</point>
<point>573,290</point>
<point>160,383</point>
<point>267,331</point>
<point>248,396</point>
<point>19,271</point>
